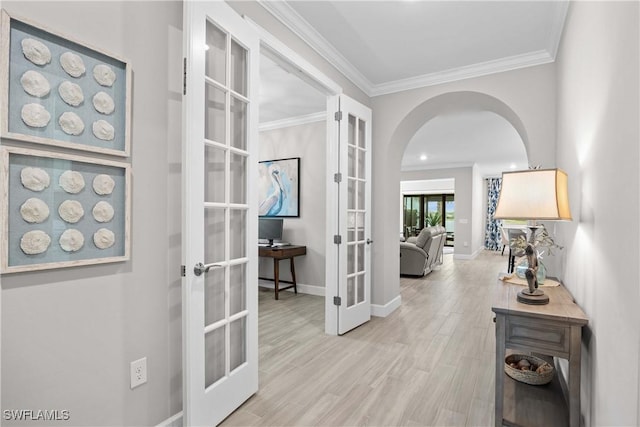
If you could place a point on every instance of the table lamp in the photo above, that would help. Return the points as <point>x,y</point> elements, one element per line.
<point>533,195</point>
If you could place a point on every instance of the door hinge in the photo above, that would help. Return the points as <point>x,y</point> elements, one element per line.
<point>337,239</point>
<point>337,301</point>
<point>183,271</point>
<point>184,76</point>
<point>338,116</point>
<point>337,177</point>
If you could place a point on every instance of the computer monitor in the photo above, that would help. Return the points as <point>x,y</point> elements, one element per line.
<point>270,229</point>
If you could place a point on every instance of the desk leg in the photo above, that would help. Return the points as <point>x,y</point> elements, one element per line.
<point>293,276</point>
<point>574,376</point>
<point>499,380</point>
<point>276,274</point>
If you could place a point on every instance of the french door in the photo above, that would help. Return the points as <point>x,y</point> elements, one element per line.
<point>220,339</point>
<point>353,239</point>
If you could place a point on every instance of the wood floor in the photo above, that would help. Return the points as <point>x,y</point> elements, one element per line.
<point>430,363</point>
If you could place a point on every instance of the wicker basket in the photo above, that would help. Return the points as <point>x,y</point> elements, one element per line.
<point>528,377</point>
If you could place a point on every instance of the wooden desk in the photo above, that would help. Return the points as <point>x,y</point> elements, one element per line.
<point>279,253</point>
<point>554,329</point>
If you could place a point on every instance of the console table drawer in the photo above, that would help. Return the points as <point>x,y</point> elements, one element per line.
<point>539,334</point>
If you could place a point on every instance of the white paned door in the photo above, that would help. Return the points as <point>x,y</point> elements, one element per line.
<point>354,215</point>
<point>220,302</point>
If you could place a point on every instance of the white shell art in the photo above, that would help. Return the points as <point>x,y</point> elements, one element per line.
<point>36,51</point>
<point>71,123</point>
<point>103,184</point>
<point>103,212</point>
<point>103,103</point>
<point>35,115</point>
<point>104,238</point>
<point>35,84</point>
<point>71,93</point>
<point>72,64</point>
<point>34,179</point>
<point>34,211</point>
<point>71,240</point>
<point>104,75</point>
<point>71,181</point>
<point>35,242</point>
<point>103,130</point>
<point>71,211</point>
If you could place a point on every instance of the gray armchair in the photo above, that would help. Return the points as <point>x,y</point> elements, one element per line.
<point>418,255</point>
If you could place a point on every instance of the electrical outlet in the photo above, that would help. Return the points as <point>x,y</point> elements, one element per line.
<point>138,372</point>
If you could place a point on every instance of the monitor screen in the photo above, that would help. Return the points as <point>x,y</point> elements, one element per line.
<point>270,229</point>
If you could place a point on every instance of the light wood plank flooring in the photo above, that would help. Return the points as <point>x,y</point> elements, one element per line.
<point>430,363</point>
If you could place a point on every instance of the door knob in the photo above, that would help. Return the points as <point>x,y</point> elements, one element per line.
<point>200,268</point>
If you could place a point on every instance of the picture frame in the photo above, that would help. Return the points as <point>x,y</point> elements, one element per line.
<point>47,194</point>
<point>279,188</point>
<point>58,91</point>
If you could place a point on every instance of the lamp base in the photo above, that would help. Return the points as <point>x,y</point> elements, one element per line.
<point>536,298</point>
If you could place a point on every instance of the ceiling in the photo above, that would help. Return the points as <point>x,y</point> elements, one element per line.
<point>464,139</point>
<point>390,46</point>
<point>284,96</point>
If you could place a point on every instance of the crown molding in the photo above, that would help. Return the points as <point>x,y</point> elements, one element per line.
<point>557,27</point>
<point>476,70</point>
<point>283,12</point>
<point>301,28</point>
<point>293,121</point>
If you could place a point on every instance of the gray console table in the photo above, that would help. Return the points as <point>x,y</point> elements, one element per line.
<point>554,329</point>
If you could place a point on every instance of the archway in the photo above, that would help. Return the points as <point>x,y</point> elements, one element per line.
<point>450,102</point>
<point>389,157</point>
<point>472,135</point>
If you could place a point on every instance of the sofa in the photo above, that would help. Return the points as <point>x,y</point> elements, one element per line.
<point>418,255</point>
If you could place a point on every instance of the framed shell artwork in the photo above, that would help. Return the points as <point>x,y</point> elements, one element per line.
<point>62,210</point>
<point>61,92</point>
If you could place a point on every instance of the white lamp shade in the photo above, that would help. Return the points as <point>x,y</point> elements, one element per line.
<point>538,194</point>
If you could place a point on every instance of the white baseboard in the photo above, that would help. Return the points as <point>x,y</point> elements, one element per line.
<point>302,288</point>
<point>174,421</point>
<point>387,309</point>
<point>474,255</point>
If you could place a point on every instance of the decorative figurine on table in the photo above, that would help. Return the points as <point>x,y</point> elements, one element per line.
<point>532,272</point>
<point>532,295</point>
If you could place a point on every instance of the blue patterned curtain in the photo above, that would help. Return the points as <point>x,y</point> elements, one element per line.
<point>492,238</point>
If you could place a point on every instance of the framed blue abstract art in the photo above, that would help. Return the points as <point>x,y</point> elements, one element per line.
<point>279,188</point>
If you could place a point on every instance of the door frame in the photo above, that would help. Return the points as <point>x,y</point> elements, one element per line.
<point>296,64</point>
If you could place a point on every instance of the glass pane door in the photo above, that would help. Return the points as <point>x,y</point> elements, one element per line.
<point>354,213</point>
<point>450,219</point>
<point>433,210</point>
<point>412,214</point>
<point>219,297</point>
<point>225,204</point>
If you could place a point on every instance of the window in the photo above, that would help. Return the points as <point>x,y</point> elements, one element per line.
<point>412,215</point>
<point>424,210</point>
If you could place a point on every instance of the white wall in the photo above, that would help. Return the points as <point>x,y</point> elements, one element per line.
<point>68,335</point>
<point>478,214</point>
<point>598,140</point>
<point>309,143</point>
<point>432,186</point>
